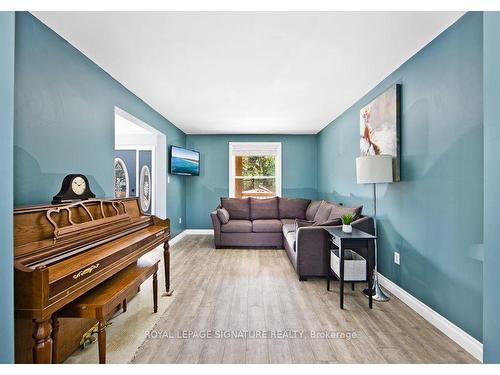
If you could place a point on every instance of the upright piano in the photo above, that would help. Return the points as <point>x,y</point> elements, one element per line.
<point>62,251</point>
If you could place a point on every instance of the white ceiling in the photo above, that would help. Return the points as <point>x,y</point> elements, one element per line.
<point>254,72</point>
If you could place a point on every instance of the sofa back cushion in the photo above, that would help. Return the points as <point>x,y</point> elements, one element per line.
<point>264,208</point>
<point>312,209</point>
<point>293,208</point>
<point>323,212</point>
<point>238,208</point>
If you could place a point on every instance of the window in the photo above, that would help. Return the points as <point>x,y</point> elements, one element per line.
<point>254,169</point>
<point>121,179</point>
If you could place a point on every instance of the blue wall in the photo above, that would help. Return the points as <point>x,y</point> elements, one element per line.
<point>203,193</point>
<point>64,119</point>
<point>434,216</point>
<point>7,38</point>
<point>491,277</point>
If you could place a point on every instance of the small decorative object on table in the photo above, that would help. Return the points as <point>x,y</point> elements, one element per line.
<point>347,219</point>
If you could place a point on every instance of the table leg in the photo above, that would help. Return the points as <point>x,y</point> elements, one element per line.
<point>166,261</point>
<point>101,341</point>
<point>155,292</point>
<point>42,348</point>
<point>341,281</point>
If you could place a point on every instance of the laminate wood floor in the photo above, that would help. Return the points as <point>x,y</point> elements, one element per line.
<point>268,316</point>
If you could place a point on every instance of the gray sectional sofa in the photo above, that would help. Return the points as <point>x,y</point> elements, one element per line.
<point>294,224</point>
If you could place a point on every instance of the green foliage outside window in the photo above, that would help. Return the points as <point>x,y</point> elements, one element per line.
<point>258,166</point>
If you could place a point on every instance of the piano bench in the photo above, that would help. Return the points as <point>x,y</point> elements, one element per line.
<point>101,302</point>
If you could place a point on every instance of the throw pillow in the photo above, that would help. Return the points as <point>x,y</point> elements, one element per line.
<point>338,210</point>
<point>323,212</point>
<point>312,209</point>
<point>223,215</point>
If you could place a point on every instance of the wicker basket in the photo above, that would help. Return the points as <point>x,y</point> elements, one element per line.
<point>354,265</point>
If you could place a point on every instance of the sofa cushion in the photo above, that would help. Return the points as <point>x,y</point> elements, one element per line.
<point>323,212</point>
<point>290,239</point>
<point>264,208</point>
<point>293,208</point>
<point>288,221</point>
<point>312,209</point>
<point>266,226</point>
<point>223,215</point>
<point>237,226</point>
<point>238,208</point>
<point>289,227</point>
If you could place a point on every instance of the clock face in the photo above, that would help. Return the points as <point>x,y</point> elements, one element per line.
<point>78,185</point>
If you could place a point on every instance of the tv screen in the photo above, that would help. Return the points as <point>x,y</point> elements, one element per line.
<point>184,162</point>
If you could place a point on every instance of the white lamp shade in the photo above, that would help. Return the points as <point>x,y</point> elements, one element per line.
<point>374,169</point>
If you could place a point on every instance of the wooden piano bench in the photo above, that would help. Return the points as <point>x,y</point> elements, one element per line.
<point>100,302</point>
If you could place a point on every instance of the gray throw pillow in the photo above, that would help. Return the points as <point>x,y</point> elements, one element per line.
<point>312,209</point>
<point>323,212</point>
<point>223,215</point>
<point>338,210</point>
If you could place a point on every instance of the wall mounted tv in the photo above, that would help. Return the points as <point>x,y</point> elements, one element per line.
<point>184,162</point>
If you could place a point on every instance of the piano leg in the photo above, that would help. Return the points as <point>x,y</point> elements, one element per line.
<point>101,341</point>
<point>42,348</point>
<point>166,260</point>
<point>55,332</point>
<point>155,292</point>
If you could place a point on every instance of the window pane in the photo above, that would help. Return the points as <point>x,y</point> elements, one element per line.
<point>256,166</point>
<point>255,187</point>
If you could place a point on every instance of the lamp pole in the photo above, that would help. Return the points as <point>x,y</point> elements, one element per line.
<point>377,292</point>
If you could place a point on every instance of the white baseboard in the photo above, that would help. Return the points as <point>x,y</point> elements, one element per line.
<point>199,231</point>
<point>462,338</point>
<point>177,238</point>
<point>186,232</point>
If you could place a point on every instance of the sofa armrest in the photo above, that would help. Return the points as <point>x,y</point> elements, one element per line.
<point>311,244</point>
<point>365,223</point>
<point>216,224</point>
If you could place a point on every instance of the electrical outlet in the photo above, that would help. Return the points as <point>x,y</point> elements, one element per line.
<point>396,258</point>
<point>180,220</point>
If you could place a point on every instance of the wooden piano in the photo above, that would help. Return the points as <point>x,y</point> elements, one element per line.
<point>62,251</point>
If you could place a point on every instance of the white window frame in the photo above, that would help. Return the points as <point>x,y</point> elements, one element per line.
<point>254,149</point>
<point>127,182</point>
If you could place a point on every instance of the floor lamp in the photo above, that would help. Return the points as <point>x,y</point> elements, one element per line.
<point>376,169</point>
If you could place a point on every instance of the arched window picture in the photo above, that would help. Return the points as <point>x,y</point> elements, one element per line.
<point>121,179</point>
<point>145,188</point>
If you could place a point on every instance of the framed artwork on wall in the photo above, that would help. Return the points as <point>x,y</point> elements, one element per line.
<point>379,126</point>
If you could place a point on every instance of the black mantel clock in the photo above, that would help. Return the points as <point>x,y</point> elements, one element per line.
<point>74,187</point>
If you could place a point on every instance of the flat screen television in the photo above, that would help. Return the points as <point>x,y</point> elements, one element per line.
<point>184,162</point>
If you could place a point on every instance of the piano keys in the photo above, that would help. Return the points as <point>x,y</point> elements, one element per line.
<point>62,251</point>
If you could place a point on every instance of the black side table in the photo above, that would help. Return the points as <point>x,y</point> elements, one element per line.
<point>357,241</point>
